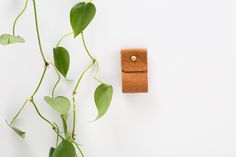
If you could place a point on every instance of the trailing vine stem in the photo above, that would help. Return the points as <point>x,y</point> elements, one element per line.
<point>92,58</point>
<point>45,119</point>
<point>94,62</point>
<point>81,76</point>
<point>96,73</point>
<point>18,16</point>
<point>66,35</point>
<point>53,125</point>
<point>58,80</point>
<point>40,82</point>
<point>73,97</point>
<point>57,137</point>
<point>18,113</point>
<point>31,98</point>
<point>85,46</point>
<point>77,146</point>
<point>78,82</point>
<point>38,34</point>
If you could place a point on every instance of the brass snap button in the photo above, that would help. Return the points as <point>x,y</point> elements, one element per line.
<point>133,58</point>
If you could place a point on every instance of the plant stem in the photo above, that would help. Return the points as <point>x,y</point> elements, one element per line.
<point>92,58</point>
<point>31,97</point>
<point>57,140</point>
<point>77,146</point>
<point>86,49</point>
<point>74,115</point>
<point>55,128</point>
<point>40,115</point>
<point>81,76</point>
<point>37,30</point>
<point>40,48</point>
<point>58,80</point>
<point>95,75</point>
<point>57,137</point>
<point>40,82</point>
<point>78,82</point>
<point>18,113</point>
<point>73,96</point>
<point>68,34</point>
<point>18,16</point>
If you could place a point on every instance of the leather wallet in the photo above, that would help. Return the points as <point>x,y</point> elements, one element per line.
<point>134,67</point>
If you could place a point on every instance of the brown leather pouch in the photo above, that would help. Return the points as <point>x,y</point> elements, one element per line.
<point>134,70</point>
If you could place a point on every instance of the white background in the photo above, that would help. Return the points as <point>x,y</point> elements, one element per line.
<point>191,105</point>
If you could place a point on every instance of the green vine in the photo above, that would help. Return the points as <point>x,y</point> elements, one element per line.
<point>14,24</point>
<point>64,36</point>
<point>81,15</point>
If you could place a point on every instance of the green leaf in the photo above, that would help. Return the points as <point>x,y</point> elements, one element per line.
<point>64,119</point>
<point>81,15</point>
<point>51,151</point>
<point>61,60</point>
<point>7,39</point>
<point>64,149</point>
<point>60,104</point>
<point>17,131</point>
<point>102,96</point>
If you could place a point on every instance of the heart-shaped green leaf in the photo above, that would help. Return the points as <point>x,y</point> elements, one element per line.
<point>64,149</point>
<point>51,151</point>
<point>61,60</point>
<point>60,104</point>
<point>102,96</point>
<point>7,39</point>
<point>81,15</point>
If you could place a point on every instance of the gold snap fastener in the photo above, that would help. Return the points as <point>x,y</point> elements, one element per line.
<point>133,58</point>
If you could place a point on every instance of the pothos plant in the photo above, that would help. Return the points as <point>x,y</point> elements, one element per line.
<point>81,15</point>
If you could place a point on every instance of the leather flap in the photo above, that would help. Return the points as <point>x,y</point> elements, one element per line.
<point>139,65</point>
